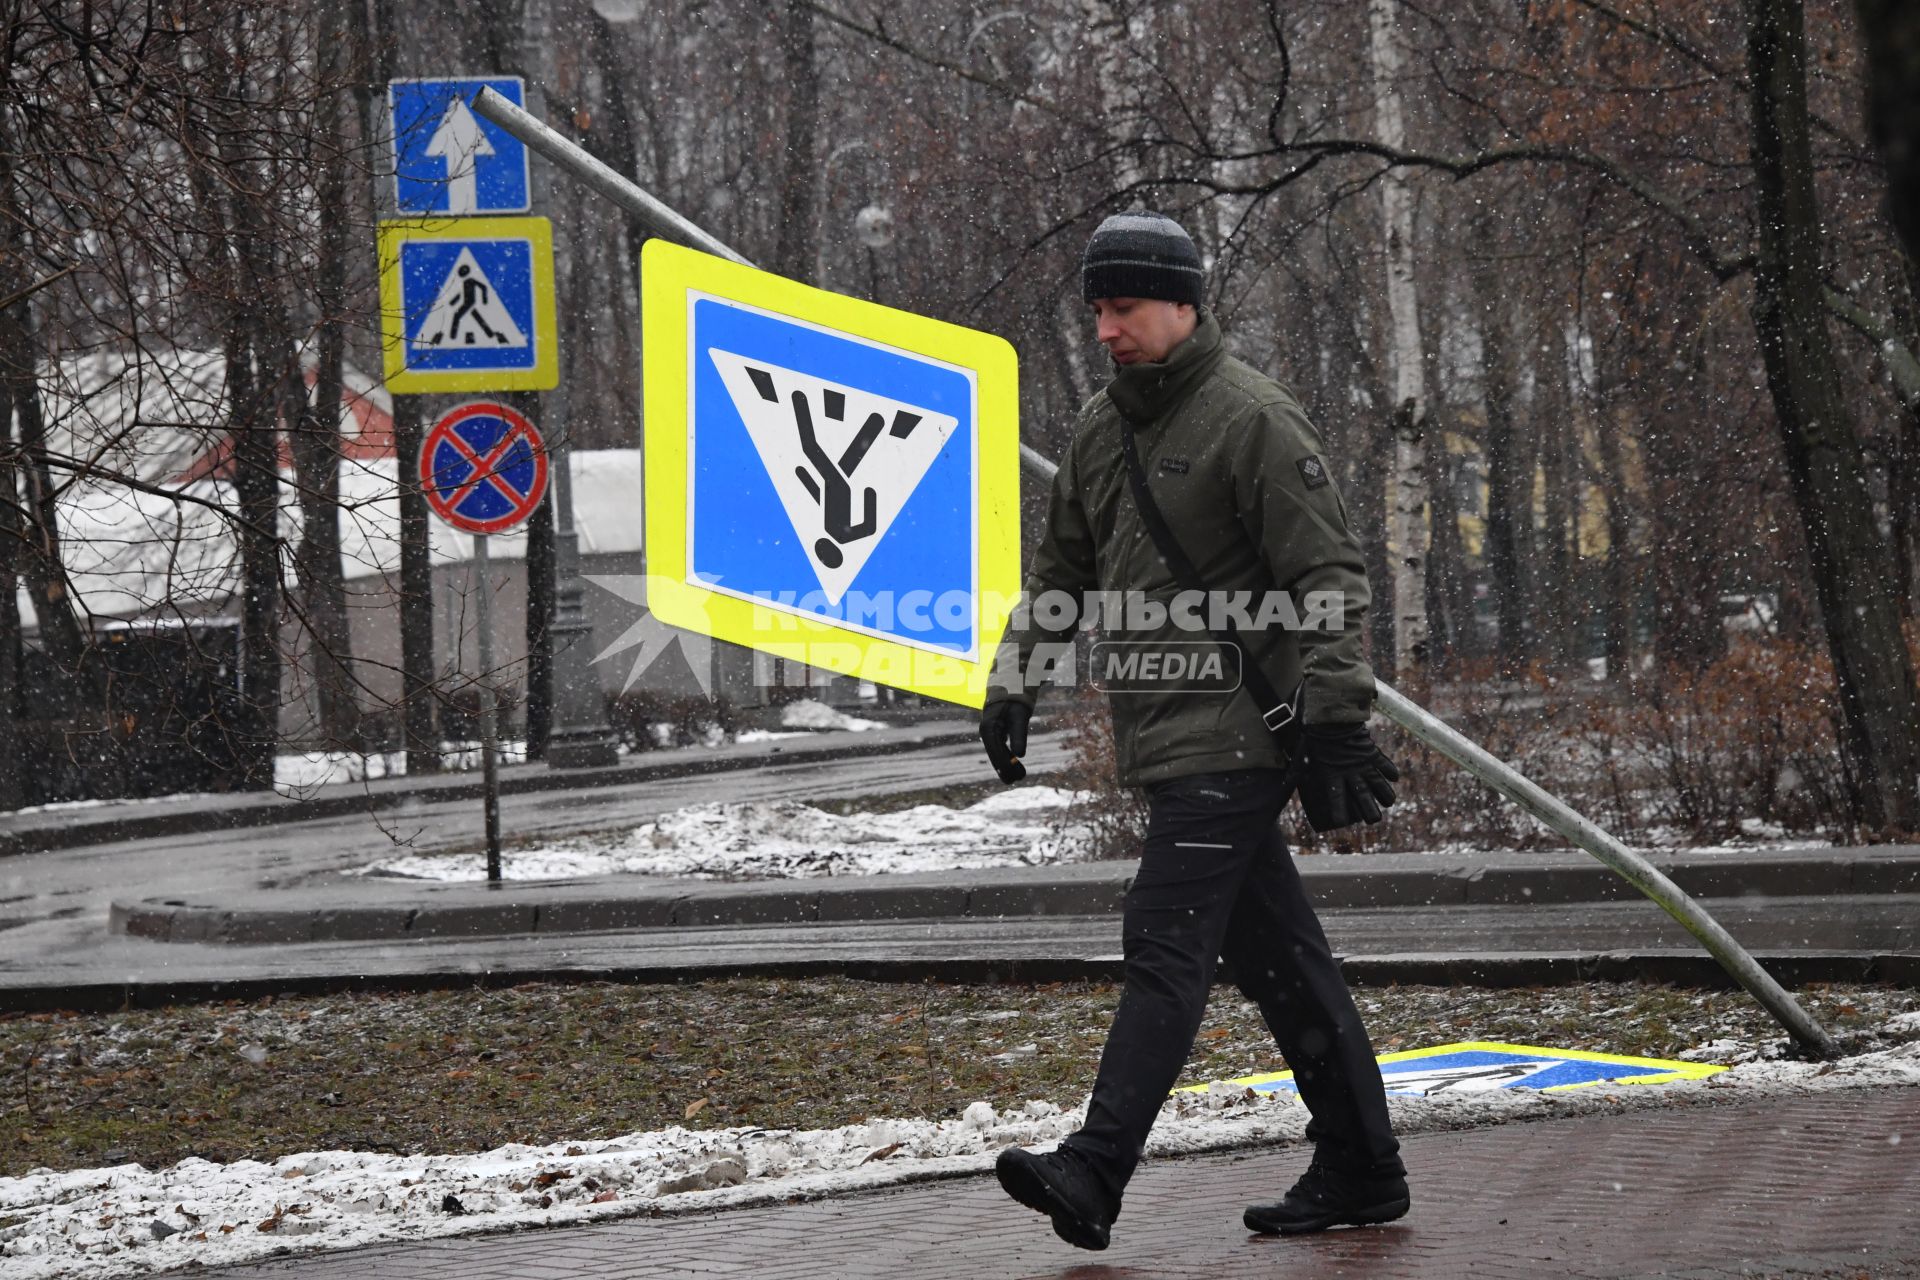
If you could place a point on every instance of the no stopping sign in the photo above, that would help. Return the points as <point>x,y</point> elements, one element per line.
<point>483,468</point>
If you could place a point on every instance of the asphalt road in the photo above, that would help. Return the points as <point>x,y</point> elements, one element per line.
<point>53,905</point>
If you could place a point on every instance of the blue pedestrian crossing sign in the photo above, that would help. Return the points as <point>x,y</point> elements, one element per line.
<point>828,479</point>
<point>446,158</point>
<point>1481,1066</point>
<point>468,305</point>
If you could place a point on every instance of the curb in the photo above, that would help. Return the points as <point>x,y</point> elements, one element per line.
<point>172,920</point>
<point>1081,889</point>
<point>256,809</point>
<point>1673,968</point>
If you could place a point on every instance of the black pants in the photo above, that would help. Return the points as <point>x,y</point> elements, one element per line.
<point>1216,880</point>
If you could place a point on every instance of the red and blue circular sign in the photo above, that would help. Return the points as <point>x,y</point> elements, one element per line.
<point>483,468</point>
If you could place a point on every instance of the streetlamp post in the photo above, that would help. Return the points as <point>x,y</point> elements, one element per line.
<point>578,736</point>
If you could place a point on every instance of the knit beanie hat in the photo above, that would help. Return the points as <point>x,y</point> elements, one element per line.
<point>1142,255</point>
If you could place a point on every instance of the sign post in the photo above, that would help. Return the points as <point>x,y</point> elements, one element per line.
<point>467,297</point>
<point>489,720</point>
<point>483,468</point>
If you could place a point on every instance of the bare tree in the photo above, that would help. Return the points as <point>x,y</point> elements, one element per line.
<point>1407,530</point>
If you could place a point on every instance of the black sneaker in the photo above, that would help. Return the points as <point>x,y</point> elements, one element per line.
<point>1059,1185</point>
<point>1326,1197</point>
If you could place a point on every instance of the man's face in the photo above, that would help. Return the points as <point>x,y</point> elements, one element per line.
<point>1141,329</point>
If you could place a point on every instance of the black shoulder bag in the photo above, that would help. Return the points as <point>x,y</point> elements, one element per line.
<point>1280,715</point>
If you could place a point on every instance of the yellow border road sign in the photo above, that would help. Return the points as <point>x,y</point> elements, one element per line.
<point>1478,1066</point>
<point>500,337</point>
<point>827,479</point>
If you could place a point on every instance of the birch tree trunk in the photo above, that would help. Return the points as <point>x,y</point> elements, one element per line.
<point>1560,505</point>
<point>1505,482</point>
<point>1407,502</point>
<point>1618,605</point>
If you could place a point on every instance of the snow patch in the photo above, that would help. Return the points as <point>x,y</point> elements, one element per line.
<point>784,839</point>
<point>300,772</point>
<point>128,1220</point>
<point>818,716</point>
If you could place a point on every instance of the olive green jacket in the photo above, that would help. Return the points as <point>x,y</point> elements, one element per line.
<point>1242,480</point>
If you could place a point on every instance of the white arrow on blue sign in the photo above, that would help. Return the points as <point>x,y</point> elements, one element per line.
<point>446,159</point>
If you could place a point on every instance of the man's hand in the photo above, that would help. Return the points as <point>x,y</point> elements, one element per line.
<point>1003,727</point>
<point>1344,777</point>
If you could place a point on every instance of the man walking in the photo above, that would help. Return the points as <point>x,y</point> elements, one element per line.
<point>1236,479</point>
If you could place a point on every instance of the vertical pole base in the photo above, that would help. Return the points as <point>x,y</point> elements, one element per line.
<point>586,750</point>
<point>580,735</point>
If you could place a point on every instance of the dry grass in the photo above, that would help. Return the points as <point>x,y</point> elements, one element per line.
<point>465,1071</point>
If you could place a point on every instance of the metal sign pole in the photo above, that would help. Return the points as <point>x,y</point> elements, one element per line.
<point>658,217</point>
<point>670,225</point>
<point>489,730</point>
<point>1624,862</point>
<point>483,469</point>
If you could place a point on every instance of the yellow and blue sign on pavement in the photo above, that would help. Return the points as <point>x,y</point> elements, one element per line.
<point>467,305</point>
<point>828,479</point>
<point>1480,1066</point>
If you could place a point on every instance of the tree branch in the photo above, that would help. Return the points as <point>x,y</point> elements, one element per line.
<point>1894,352</point>
<point>878,35</point>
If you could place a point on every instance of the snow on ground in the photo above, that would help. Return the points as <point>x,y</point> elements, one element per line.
<point>775,839</point>
<point>300,772</point>
<point>128,1220</point>
<point>809,714</point>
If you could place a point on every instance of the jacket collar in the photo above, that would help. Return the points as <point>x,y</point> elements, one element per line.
<point>1144,393</point>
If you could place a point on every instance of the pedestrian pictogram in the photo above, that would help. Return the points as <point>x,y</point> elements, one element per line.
<point>828,480</point>
<point>843,461</point>
<point>468,305</point>
<point>1483,1066</point>
<point>448,160</point>
<point>467,312</point>
<point>483,468</point>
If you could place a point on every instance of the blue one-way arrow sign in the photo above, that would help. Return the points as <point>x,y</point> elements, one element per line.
<point>446,159</point>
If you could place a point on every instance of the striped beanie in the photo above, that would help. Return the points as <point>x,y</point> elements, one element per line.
<point>1142,255</point>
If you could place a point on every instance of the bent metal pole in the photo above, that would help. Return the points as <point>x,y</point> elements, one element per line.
<point>1624,862</point>
<point>1637,871</point>
<point>656,216</point>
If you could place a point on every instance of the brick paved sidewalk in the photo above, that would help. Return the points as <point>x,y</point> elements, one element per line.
<point>1826,1186</point>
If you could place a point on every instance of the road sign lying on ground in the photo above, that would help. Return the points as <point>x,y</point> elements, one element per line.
<point>446,159</point>
<point>1480,1066</point>
<point>830,480</point>
<point>467,305</point>
<point>483,468</point>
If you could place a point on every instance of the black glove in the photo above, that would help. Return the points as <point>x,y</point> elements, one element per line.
<point>1003,727</point>
<point>1344,777</point>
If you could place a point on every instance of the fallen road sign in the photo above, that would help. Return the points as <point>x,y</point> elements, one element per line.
<point>1482,1066</point>
<point>828,479</point>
